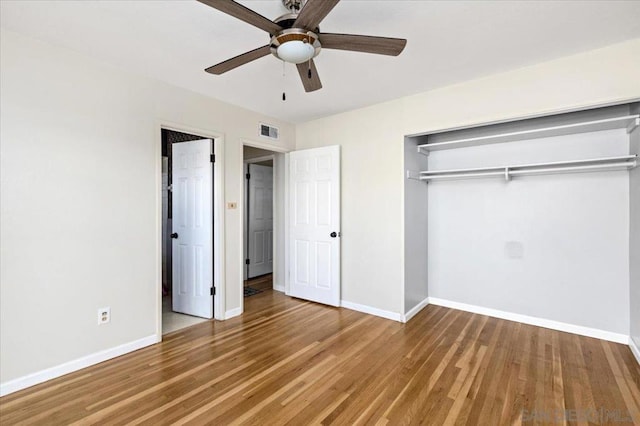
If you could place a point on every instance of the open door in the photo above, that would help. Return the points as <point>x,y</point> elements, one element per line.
<point>192,224</point>
<point>314,224</point>
<point>260,220</point>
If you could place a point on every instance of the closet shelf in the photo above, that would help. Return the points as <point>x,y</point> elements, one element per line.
<point>630,122</point>
<point>625,162</point>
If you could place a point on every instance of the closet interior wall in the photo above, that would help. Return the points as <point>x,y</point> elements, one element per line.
<point>634,240</point>
<point>555,247</point>
<point>415,229</point>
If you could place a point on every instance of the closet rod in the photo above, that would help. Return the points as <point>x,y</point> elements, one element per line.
<point>610,166</point>
<point>547,164</point>
<point>618,163</point>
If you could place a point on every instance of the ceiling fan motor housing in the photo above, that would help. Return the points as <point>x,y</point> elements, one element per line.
<point>293,5</point>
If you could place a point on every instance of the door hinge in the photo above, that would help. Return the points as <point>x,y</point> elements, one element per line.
<point>213,158</point>
<point>213,291</point>
<point>248,176</point>
<point>246,261</point>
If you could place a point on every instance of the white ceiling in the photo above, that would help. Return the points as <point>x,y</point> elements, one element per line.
<point>448,42</point>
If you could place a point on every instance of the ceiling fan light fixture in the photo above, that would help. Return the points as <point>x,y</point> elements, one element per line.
<point>296,51</point>
<point>295,46</point>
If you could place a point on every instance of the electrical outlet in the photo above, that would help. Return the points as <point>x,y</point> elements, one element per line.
<point>104,315</point>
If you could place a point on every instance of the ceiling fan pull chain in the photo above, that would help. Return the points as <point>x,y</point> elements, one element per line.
<point>309,67</point>
<point>284,95</point>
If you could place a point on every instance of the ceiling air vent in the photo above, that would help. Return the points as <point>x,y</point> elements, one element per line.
<point>268,131</point>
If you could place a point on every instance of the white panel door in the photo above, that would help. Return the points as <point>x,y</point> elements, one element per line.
<point>260,227</point>
<point>192,233</point>
<point>314,225</point>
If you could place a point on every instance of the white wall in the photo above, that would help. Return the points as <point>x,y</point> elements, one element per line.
<point>371,201</point>
<point>552,247</point>
<point>372,145</point>
<point>279,223</point>
<point>80,171</point>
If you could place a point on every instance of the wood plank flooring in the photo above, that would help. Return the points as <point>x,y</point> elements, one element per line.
<point>286,361</point>
<point>262,283</point>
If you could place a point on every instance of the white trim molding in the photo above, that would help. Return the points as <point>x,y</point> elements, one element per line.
<point>634,349</point>
<point>413,311</point>
<point>540,322</point>
<point>75,365</point>
<point>371,311</point>
<point>278,287</point>
<point>259,159</point>
<point>232,313</point>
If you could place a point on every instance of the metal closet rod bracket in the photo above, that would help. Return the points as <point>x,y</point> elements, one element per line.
<point>412,174</point>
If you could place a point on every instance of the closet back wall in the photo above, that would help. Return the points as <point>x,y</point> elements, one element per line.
<point>553,247</point>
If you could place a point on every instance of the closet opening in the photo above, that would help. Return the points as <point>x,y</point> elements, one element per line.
<point>533,220</point>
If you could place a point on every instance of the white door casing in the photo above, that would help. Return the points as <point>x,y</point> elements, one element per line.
<point>314,225</point>
<point>260,221</point>
<point>192,223</point>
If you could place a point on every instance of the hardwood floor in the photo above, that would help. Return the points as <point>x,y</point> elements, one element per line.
<point>294,362</point>
<point>263,282</point>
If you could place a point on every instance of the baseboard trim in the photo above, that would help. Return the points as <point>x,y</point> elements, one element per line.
<point>413,311</point>
<point>540,322</point>
<point>232,313</point>
<point>634,349</point>
<point>279,288</point>
<point>371,310</point>
<point>75,365</point>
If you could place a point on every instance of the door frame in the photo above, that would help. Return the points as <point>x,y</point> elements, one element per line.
<point>280,163</point>
<point>218,216</point>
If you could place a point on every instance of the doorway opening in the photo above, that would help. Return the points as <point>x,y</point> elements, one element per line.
<point>262,232</point>
<point>187,229</point>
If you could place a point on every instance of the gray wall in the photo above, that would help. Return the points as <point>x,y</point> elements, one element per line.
<point>415,229</point>
<point>634,239</point>
<point>553,247</point>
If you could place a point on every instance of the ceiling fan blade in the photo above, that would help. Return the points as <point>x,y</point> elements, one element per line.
<point>235,62</point>
<point>313,12</point>
<point>237,10</point>
<point>313,83</point>
<point>362,43</point>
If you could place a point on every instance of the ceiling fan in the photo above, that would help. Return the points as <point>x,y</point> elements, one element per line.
<point>297,39</point>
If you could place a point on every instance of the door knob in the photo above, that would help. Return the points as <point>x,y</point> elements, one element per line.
<point>174,235</point>
<point>333,235</point>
